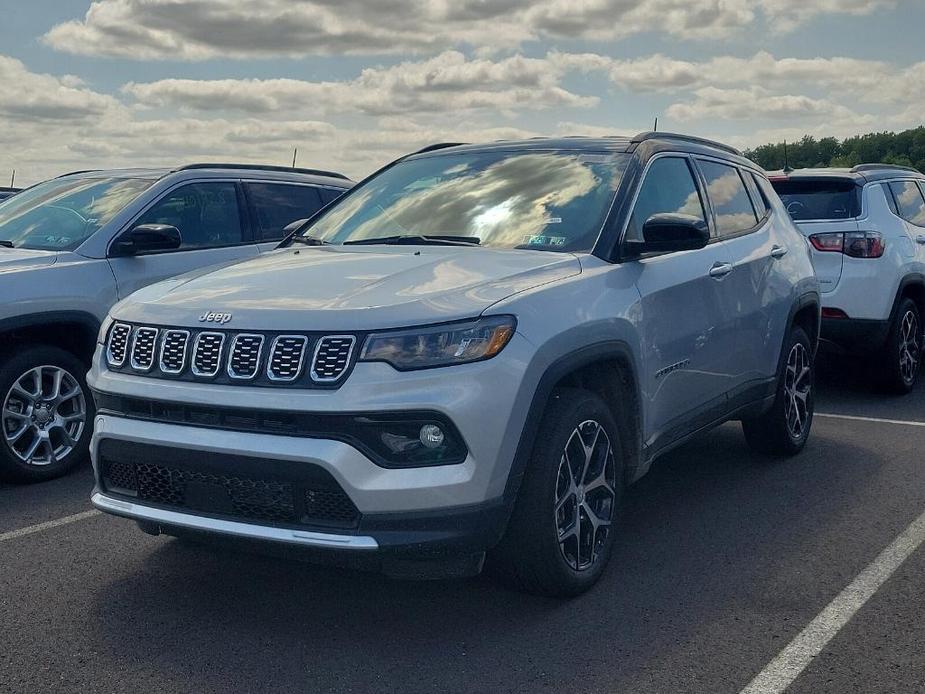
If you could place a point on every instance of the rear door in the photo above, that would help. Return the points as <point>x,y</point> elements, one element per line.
<point>758,292</point>
<point>687,338</point>
<point>208,215</point>
<point>275,204</point>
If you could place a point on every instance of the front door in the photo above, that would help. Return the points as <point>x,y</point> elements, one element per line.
<point>686,337</point>
<point>209,219</point>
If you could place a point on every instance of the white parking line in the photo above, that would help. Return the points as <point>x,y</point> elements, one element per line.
<point>13,534</point>
<point>799,653</point>
<point>870,419</point>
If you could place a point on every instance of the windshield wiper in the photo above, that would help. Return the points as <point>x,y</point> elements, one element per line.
<point>418,240</point>
<point>309,241</point>
<point>6,244</point>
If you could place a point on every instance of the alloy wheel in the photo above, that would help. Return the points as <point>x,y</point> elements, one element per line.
<point>585,495</point>
<point>798,386</point>
<point>910,349</point>
<point>44,414</point>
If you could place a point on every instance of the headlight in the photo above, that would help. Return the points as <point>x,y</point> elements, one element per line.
<point>440,345</point>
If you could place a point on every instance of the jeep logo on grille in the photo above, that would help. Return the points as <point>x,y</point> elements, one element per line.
<point>212,317</point>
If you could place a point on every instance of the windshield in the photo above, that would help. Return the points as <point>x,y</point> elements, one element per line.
<point>538,200</point>
<point>60,214</point>
<point>807,200</point>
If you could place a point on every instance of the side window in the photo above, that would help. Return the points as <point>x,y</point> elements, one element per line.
<point>668,187</point>
<point>909,201</point>
<point>206,214</point>
<point>731,204</point>
<point>761,202</point>
<point>329,195</point>
<point>277,204</point>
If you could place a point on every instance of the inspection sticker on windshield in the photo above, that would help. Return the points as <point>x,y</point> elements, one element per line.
<point>544,240</point>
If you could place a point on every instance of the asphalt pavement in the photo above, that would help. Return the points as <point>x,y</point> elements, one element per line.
<point>726,560</point>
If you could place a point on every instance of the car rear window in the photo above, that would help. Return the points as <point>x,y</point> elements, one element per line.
<point>819,199</point>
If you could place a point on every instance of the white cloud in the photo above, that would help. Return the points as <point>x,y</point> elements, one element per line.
<point>448,82</point>
<point>756,103</point>
<point>30,95</point>
<point>203,29</point>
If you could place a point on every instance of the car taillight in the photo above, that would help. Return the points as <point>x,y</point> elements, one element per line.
<point>856,244</point>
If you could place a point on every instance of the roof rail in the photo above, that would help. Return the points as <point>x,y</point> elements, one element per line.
<point>81,171</point>
<point>653,135</point>
<point>439,145</point>
<point>263,167</point>
<point>879,167</point>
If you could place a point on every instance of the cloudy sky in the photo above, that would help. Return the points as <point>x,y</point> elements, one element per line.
<point>355,83</point>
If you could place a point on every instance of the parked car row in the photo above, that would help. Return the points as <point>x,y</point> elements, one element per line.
<point>463,361</point>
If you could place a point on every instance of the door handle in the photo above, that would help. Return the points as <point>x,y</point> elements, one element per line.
<point>720,270</point>
<point>920,239</point>
<point>780,251</point>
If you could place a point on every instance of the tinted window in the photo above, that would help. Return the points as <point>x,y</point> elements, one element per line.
<point>888,194</point>
<point>61,214</point>
<point>758,196</point>
<point>819,199</point>
<point>277,205</point>
<point>668,187</point>
<point>205,213</point>
<point>551,201</point>
<point>731,204</point>
<point>909,201</point>
<point>330,194</point>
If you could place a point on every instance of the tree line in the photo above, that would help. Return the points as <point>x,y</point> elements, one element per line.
<point>906,148</point>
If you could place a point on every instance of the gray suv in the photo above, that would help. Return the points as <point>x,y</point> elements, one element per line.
<point>73,246</point>
<point>469,356</point>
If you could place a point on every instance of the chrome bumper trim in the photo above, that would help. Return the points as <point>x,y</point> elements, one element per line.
<point>127,509</point>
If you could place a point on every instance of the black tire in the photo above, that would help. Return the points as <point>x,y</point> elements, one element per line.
<point>45,464</point>
<point>529,557</point>
<point>902,354</point>
<point>773,433</point>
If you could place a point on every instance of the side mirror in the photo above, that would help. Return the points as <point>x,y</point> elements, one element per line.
<point>669,232</point>
<point>292,226</point>
<point>146,238</point>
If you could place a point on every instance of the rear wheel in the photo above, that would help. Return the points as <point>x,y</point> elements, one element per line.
<point>46,414</point>
<point>561,533</point>
<point>902,357</point>
<point>784,429</point>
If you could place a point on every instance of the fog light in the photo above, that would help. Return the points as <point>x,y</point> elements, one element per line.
<point>431,436</point>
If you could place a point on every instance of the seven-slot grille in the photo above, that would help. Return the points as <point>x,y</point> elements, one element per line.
<point>207,354</point>
<point>244,361</point>
<point>143,348</point>
<point>173,351</point>
<point>229,357</point>
<point>118,344</point>
<point>286,357</point>
<point>332,357</point>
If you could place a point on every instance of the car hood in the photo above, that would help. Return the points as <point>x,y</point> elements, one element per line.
<point>349,288</point>
<point>14,259</point>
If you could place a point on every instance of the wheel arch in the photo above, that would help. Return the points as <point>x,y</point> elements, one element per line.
<point>605,368</point>
<point>74,331</point>
<point>911,286</point>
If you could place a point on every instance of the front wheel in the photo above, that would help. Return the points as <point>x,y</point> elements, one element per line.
<point>46,414</point>
<point>561,532</point>
<point>784,429</point>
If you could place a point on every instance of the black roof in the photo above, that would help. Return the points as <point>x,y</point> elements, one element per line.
<point>861,174</point>
<point>615,143</point>
<point>264,167</point>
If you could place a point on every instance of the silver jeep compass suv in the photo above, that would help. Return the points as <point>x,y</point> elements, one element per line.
<point>471,353</point>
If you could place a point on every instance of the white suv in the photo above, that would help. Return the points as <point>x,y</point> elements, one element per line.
<point>866,226</point>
